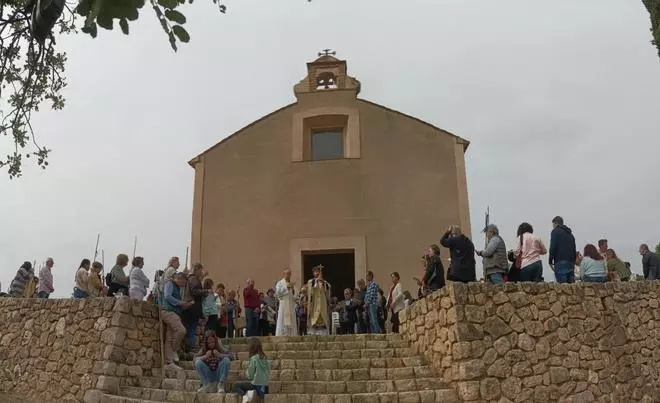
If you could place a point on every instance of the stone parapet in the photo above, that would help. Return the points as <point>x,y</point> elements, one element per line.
<point>544,342</point>
<point>63,349</point>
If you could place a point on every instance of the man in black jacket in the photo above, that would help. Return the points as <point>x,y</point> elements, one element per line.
<point>650,263</point>
<point>562,251</point>
<point>461,250</point>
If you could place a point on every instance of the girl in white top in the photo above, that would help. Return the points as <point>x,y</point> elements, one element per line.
<point>529,250</point>
<point>395,301</point>
<point>81,289</point>
<point>139,282</point>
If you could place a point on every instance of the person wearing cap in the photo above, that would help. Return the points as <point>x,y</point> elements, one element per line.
<point>494,256</point>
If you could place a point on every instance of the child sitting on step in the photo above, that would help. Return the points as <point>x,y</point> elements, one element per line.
<point>258,372</point>
<point>212,364</point>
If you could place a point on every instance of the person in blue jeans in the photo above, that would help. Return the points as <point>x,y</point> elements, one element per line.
<point>562,252</point>
<point>494,256</point>
<point>252,304</point>
<point>212,364</point>
<point>371,303</point>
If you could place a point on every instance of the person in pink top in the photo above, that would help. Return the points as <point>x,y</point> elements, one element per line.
<point>529,250</point>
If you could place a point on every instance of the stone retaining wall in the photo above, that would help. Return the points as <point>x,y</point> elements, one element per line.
<point>542,342</point>
<point>66,349</point>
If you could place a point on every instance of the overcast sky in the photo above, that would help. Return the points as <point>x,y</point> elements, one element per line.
<point>559,99</point>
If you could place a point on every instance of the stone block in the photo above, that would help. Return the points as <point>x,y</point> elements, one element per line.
<point>496,327</point>
<point>365,398</point>
<point>409,397</point>
<point>390,397</point>
<point>93,396</point>
<point>468,391</point>
<point>559,375</point>
<point>123,320</point>
<point>299,398</point>
<point>108,384</point>
<point>114,336</point>
<point>472,369</point>
<point>427,396</point>
<point>511,387</point>
<point>489,388</point>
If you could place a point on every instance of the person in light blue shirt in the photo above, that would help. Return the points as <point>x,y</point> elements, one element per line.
<point>171,310</point>
<point>592,265</point>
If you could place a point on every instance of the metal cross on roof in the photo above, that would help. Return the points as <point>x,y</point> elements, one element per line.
<point>327,52</point>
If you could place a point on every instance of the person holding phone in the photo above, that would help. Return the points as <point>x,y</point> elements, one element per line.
<point>212,364</point>
<point>172,309</point>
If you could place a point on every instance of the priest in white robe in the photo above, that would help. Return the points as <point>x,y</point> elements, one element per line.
<point>286,315</point>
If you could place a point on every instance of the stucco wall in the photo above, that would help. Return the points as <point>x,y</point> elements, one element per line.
<point>542,342</point>
<point>59,350</point>
<point>252,202</point>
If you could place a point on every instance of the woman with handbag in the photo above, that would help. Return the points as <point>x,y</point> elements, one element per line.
<point>528,252</point>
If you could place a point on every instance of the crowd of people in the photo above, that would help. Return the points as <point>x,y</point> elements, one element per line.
<point>190,298</point>
<point>525,261</point>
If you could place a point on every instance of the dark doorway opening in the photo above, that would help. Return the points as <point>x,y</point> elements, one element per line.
<point>338,268</point>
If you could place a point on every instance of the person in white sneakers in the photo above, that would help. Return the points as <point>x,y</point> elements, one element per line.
<point>258,372</point>
<point>212,364</point>
<point>170,314</point>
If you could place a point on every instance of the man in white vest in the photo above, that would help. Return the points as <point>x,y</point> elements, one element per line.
<point>286,315</point>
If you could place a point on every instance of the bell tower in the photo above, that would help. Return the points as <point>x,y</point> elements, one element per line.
<point>326,73</point>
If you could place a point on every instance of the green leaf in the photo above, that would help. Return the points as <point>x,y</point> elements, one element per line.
<point>123,24</point>
<point>84,7</point>
<point>172,40</point>
<point>90,29</point>
<point>168,3</point>
<point>175,16</point>
<point>181,33</point>
<point>104,21</point>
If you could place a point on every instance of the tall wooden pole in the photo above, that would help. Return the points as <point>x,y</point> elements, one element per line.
<point>96,248</point>
<point>134,246</point>
<point>486,237</point>
<point>102,263</point>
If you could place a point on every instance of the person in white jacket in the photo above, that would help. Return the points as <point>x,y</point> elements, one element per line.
<point>395,301</point>
<point>139,282</point>
<point>286,316</point>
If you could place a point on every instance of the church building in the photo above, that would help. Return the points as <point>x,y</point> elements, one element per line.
<point>330,179</point>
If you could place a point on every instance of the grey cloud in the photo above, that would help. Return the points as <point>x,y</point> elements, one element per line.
<point>559,100</point>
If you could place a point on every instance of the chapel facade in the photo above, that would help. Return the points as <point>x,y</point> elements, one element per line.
<point>330,179</point>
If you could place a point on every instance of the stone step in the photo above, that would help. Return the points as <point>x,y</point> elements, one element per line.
<point>324,354</point>
<point>106,398</point>
<point>303,386</point>
<point>137,395</point>
<point>324,345</point>
<point>325,363</point>
<point>424,396</point>
<point>293,339</point>
<point>180,398</point>
<point>360,374</point>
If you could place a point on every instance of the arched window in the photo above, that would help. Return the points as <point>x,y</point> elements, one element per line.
<point>326,80</point>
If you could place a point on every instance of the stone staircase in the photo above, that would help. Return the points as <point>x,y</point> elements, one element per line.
<point>310,369</point>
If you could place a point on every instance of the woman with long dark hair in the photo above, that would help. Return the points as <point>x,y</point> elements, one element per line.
<point>592,265</point>
<point>258,373</point>
<point>212,364</point>
<point>81,289</point>
<point>528,252</point>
